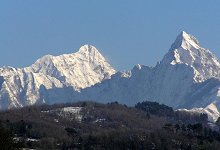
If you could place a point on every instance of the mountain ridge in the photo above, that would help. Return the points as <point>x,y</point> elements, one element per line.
<point>82,69</point>
<point>187,77</point>
<point>170,82</point>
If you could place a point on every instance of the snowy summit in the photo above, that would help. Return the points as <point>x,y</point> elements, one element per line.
<point>187,77</point>
<point>82,69</point>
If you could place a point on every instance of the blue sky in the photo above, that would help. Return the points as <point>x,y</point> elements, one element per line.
<point>127,32</point>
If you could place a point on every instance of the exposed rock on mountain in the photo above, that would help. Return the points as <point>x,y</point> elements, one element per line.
<point>187,77</point>
<point>80,70</point>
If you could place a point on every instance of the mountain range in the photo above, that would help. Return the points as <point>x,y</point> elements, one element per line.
<point>187,79</point>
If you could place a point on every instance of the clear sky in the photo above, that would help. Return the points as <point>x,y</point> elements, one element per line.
<point>127,32</point>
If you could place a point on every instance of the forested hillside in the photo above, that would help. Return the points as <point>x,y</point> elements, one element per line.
<point>89,125</point>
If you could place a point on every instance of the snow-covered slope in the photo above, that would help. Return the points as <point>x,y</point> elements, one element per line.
<point>186,50</point>
<point>187,77</point>
<point>211,110</point>
<point>82,69</point>
<point>20,87</point>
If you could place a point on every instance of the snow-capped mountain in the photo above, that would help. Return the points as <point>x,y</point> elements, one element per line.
<point>170,81</point>
<point>186,50</point>
<point>187,77</point>
<point>80,70</point>
<point>20,87</point>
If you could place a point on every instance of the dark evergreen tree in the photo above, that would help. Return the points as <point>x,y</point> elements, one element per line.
<point>6,140</point>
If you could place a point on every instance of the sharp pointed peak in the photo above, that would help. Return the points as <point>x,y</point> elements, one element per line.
<point>185,39</point>
<point>184,33</point>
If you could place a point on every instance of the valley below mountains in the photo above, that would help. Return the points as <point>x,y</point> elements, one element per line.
<point>187,79</point>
